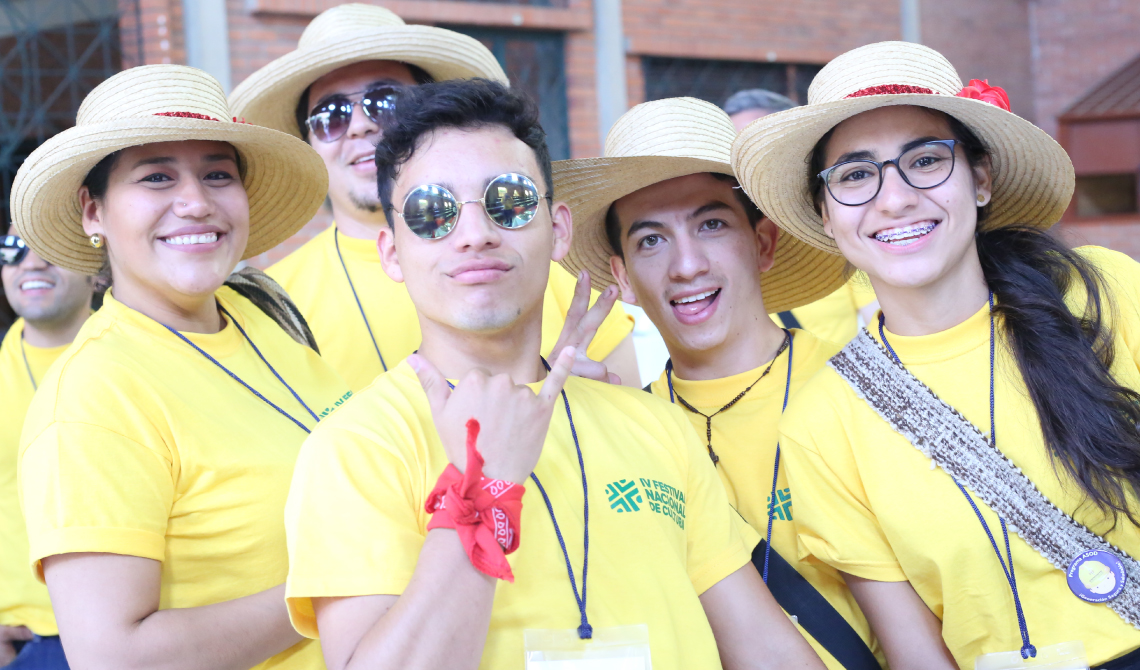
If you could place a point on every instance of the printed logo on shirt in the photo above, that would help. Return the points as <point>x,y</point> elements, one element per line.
<point>328,410</point>
<point>783,510</point>
<point>624,496</point>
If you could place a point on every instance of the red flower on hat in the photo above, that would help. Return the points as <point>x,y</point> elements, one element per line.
<point>980,89</point>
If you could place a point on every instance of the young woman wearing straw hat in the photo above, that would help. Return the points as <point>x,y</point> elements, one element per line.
<point>970,461</point>
<point>158,450</point>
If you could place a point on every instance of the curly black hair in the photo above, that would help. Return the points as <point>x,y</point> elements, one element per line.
<point>469,104</point>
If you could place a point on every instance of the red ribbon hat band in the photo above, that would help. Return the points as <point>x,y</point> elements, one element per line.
<point>486,513</point>
<point>979,89</point>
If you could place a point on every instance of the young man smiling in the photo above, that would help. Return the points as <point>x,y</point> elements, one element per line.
<point>662,215</point>
<point>338,91</point>
<point>52,303</point>
<point>617,479</point>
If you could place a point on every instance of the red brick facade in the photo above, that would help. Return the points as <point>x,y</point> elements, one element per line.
<point>1045,53</point>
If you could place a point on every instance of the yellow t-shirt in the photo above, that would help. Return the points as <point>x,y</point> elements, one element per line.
<point>137,445</point>
<point>23,600</point>
<point>315,279</point>
<point>744,438</point>
<point>870,504</point>
<point>835,317</point>
<point>661,530</point>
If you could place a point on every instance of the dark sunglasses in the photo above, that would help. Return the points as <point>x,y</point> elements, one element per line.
<point>510,200</point>
<point>329,120</point>
<point>12,250</point>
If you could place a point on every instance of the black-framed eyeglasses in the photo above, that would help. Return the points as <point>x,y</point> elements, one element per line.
<point>510,200</point>
<point>329,120</point>
<point>857,182</point>
<point>12,250</point>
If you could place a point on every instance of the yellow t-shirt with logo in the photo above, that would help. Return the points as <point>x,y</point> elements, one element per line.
<point>661,529</point>
<point>137,445</point>
<point>23,600</point>
<point>870,504</point>
<point>835,317</point>
<point>314,278</point>
<point>744,438</point>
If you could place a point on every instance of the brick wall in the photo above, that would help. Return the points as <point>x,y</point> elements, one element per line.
<point>162,34</point>
<point>1078,43</point>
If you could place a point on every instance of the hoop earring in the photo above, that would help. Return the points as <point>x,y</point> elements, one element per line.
<point>96,240</point>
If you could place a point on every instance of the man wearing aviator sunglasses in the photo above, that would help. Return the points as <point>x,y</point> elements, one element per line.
<point>52,304</point>
<point>339,91</point>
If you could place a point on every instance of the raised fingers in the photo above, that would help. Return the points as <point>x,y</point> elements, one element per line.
<point>559,373</point>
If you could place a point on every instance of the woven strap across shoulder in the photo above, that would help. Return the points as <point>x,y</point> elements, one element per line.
<point>260,289</point>
<point>959,448</point>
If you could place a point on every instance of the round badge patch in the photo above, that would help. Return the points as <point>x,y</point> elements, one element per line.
<point>1096,576</point>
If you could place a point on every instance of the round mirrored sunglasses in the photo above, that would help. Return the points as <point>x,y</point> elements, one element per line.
<point>12,250</point>
<point>510,200</point>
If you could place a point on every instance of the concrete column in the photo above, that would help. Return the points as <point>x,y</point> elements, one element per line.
<point>910,16</point>
<point>609,45</point>
<point>208,38</point>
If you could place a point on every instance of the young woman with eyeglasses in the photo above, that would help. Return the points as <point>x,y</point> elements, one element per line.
<point>971,463</point>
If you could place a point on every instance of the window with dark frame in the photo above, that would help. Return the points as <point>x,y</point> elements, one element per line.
<point>716,80</point>
<point>1100,195</point>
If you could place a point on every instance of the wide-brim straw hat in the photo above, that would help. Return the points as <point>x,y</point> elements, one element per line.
<point>661,140</point>
<point>1033,178</point>
<point>284,178</point>
<point>349,34</point>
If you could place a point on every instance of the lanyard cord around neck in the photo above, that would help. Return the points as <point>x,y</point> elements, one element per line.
<point>27,367</point>
<point>241,381</point>
<point>585,630</point>
<point>676,397</point>
<point>1027,649</point>
<point>359,307</point>
<point>776,467</point>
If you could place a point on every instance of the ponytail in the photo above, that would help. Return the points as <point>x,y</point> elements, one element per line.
<point>1088,420</point>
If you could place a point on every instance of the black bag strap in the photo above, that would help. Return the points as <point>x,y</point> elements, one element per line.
<point>789,320</point>
<point>260,289</point>
<point>814,614</point>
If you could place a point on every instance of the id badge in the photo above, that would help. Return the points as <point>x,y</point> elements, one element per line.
<point>613,648</point>
<point>1064,656</point>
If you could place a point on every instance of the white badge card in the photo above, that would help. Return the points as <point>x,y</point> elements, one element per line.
<point>613,648</point>
<point>1064,656</point>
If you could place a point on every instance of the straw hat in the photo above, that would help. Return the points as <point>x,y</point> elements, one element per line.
<point>349,34</point>
<point>661,140</point>
<point>1033,177</point>
<point>285,179</point>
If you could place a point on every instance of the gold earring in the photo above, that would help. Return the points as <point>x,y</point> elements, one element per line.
<point>96,240</point>
<point>981,198</point>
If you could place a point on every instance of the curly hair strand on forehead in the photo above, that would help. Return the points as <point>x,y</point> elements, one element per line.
<point>463,104</point>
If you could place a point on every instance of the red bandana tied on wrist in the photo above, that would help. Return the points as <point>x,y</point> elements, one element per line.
<point>979,89</point>
<point>485,512</point>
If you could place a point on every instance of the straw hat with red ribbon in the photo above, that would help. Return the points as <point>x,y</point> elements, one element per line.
<point>1033,176</point>
<point>284,178</point>
<point>660,140</point>
<point>353,33</point>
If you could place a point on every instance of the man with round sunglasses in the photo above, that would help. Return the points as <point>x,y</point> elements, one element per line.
<point>623,550</point>
<point>338,91</point>
<point>52,304</point>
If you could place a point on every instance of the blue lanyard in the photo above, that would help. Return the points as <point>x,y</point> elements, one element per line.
<point>31,377</point>
<point>336,241</point>
<point>1027,649</point>
<point>239,380</point>
<point>585,630</point>
<point>776,467</point>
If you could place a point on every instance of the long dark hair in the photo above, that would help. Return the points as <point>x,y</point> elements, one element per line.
<point>1089,421</point>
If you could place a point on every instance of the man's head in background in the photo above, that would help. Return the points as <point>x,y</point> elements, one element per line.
<point>744,107</point>
<point>46,296</point>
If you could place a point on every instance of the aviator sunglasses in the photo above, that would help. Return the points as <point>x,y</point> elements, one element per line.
<point>12,250</point>
<point>329,120</point>
<point>510,200</point>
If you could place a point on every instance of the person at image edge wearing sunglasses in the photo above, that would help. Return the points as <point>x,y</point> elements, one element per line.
<point>624,546</point>
<point>52,303</point>
<point>337,91</point>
